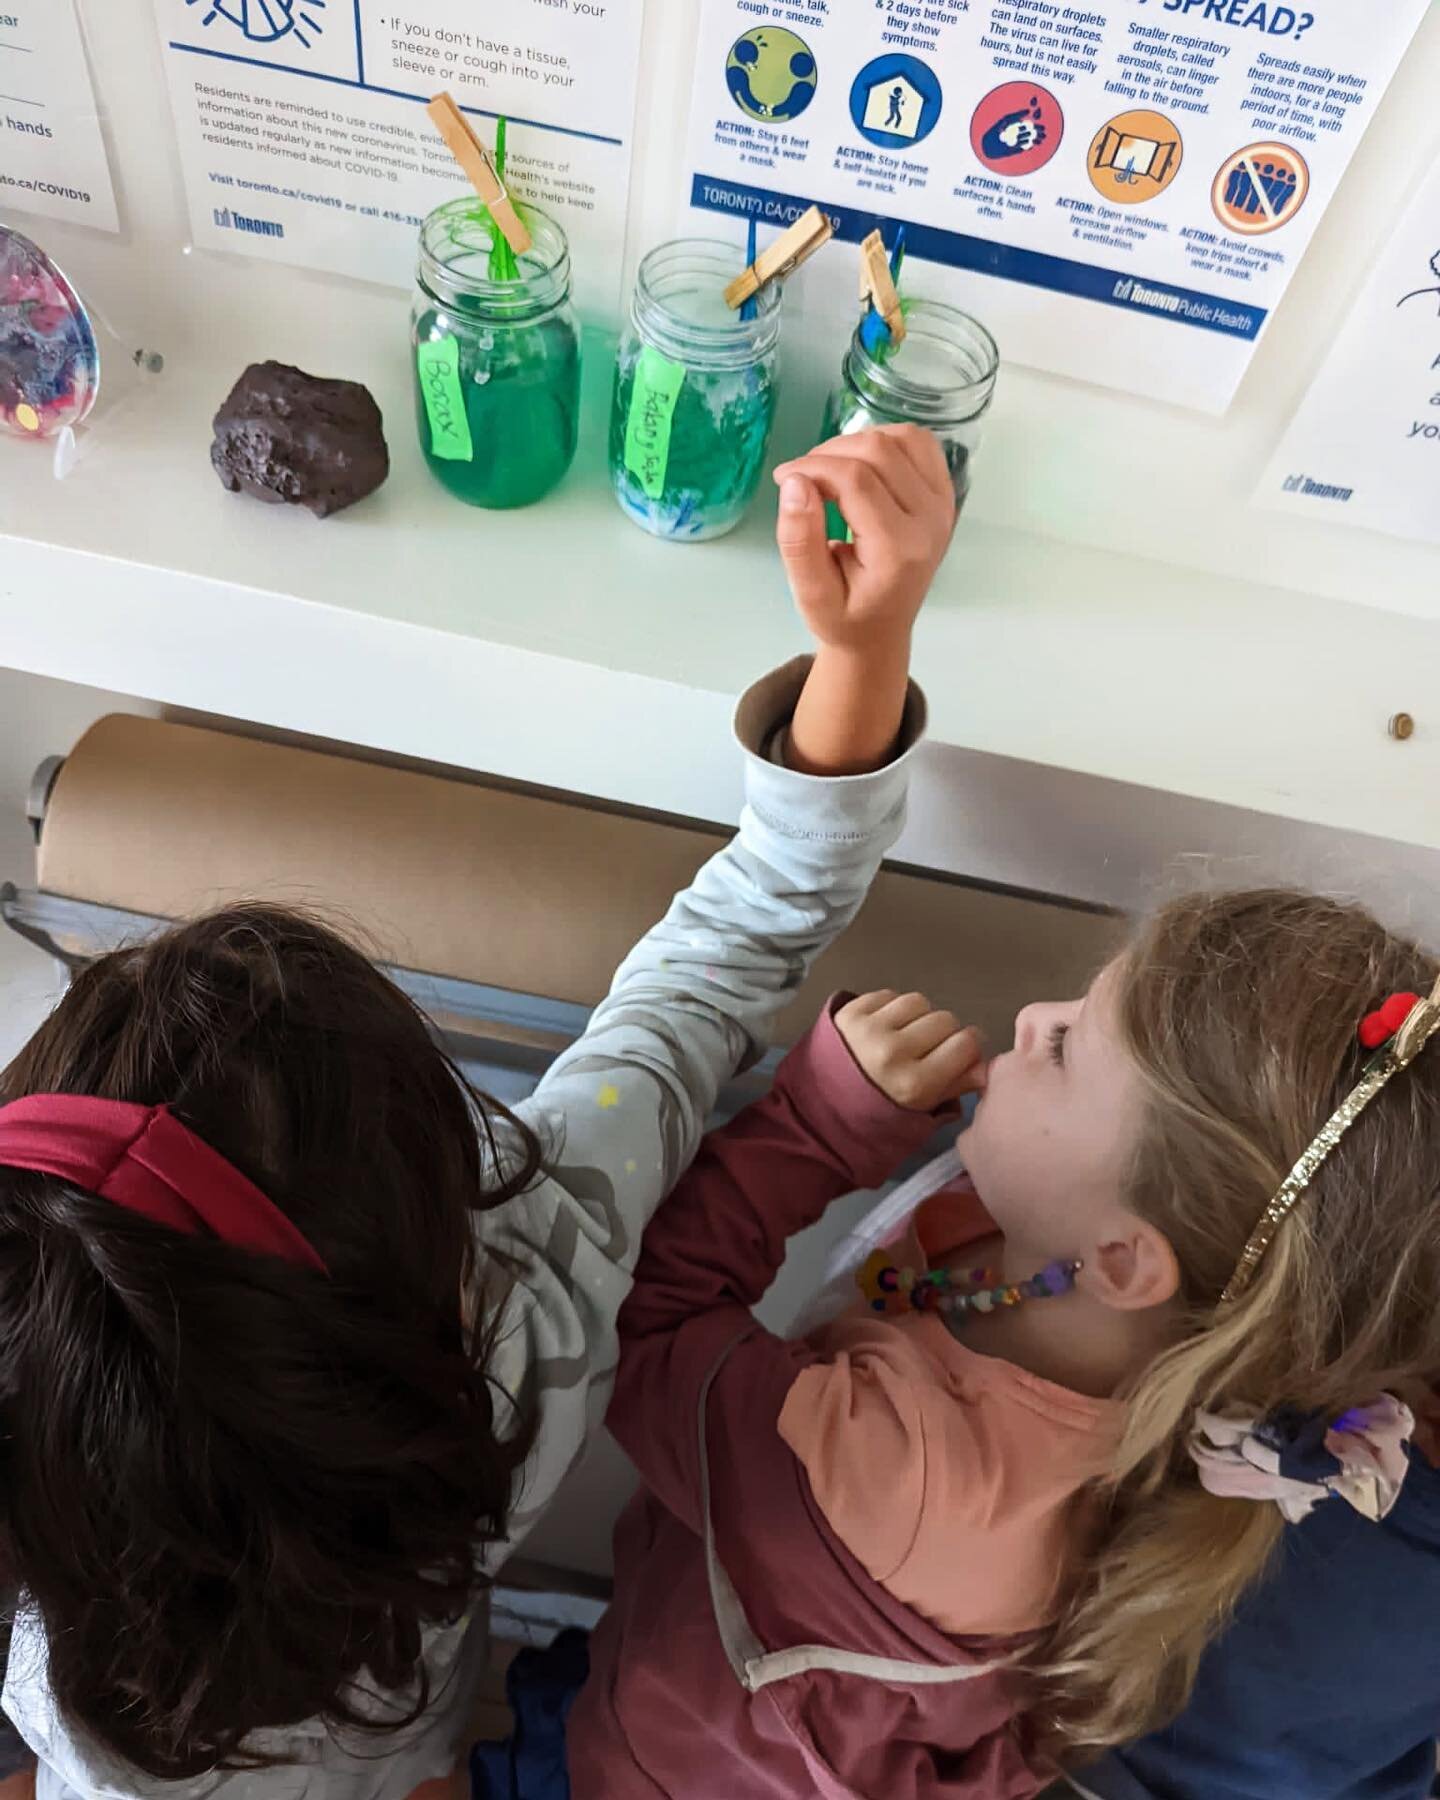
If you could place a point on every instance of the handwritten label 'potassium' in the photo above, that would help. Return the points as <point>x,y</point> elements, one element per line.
<point>439,366</point>
<point>658,382</point>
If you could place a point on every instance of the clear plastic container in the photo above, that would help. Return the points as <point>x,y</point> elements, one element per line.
<point>942,375</point>
<point>497,363</point>
<point>49,357</point>
<point>54,345</point>
<point>694,396</point>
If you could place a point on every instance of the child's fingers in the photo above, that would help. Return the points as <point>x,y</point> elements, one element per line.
<point>867,504</point>
<point>907,457</point>
<point>890,463</point>
<point>815,578</point>
<point>902,1010</point>
<point>926,456</point>
<point>863,1005</point>
<point>957,1066</point>
<point>927,1033</point>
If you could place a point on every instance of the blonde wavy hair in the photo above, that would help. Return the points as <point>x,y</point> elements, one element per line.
<point>1240,1011</point>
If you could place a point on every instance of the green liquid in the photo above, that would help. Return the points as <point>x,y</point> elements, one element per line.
<point>719,432</point>
<point>521,389</point>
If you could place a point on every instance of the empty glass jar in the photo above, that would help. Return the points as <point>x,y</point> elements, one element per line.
<point>694,394</point>
<point>497,363</point>
<point>942,375</point>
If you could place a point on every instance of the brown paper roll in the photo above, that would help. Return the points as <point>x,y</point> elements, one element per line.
<point>535,895</point>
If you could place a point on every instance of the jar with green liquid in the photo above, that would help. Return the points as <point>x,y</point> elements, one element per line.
<point>941,375</point>
<point>497,362</point>
<point>694,397</point>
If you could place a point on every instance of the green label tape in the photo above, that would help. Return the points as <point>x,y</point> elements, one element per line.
<point>658,382</point>
<point>439,366</point>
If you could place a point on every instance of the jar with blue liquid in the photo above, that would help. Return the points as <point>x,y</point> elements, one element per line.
<point>694,397</point>
<point>941,375</point>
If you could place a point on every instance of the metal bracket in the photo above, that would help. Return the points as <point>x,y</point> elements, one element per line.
<point>42,785</point>
<point>520,1034</point>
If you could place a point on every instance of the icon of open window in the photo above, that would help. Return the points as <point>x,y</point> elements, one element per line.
<point>1135,158</point>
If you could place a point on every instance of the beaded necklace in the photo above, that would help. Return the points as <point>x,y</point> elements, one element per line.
<point>894,1290</point>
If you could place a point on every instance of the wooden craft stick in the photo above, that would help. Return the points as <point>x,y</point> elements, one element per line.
<point>474,159</point>
<point>877,286</point>
<point>810,232</point>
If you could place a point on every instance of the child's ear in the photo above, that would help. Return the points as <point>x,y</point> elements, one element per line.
<point>1132,1268</point>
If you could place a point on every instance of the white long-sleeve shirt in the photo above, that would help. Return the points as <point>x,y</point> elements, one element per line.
<point>621,1114</point>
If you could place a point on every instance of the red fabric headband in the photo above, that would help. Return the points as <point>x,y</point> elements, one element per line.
<point>144,1159</point>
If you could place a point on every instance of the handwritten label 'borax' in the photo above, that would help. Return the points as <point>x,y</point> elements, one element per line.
<point>658,382</point>
<point>438,363</point>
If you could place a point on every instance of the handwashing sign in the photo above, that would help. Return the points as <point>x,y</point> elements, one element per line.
<point>52,154</point>
<point>1121,190</point>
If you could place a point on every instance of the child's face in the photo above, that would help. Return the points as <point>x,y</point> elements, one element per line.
<point>1053,1136</point>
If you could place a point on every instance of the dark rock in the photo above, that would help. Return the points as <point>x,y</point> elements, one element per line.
<point>297,440</point>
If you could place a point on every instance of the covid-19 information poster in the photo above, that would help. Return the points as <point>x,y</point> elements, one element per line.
<point>304,139</point>
<point>1121,190</point>
<point>52,153</point>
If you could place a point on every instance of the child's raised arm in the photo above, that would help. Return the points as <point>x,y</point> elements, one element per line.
<point>624,1108</point>
<point>860,598</point>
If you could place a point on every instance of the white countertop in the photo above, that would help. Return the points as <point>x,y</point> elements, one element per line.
<point>562,646</point>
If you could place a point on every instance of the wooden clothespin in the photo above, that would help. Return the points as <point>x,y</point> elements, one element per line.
<point>810,232</point>
<point>474,159</point>
<point>877,286</point>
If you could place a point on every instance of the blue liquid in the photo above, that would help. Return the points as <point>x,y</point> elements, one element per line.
<point>719,433</point>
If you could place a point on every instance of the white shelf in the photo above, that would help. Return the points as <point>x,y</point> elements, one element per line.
<point>1109,680</point>
<point>562,646</point>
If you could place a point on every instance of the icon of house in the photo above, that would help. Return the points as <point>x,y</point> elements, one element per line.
<point>894,106</point>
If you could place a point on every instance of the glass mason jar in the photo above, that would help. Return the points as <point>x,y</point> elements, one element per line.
<point>497,363</point>
<point>694,394</point>
<point>941,376</point>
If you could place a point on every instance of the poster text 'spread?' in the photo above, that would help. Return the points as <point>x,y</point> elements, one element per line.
<point>1122,192</point>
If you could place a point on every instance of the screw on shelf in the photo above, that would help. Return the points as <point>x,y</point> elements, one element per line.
<point>1401,726</point>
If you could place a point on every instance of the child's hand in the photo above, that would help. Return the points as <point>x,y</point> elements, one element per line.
<point>917,1056</point>
<point>893,487</point>
<point>860,599</point>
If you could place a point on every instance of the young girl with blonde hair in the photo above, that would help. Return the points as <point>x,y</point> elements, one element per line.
<point>982,1527</point>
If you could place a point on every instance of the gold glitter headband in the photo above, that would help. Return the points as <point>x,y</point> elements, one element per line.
<point>1402,1049</point>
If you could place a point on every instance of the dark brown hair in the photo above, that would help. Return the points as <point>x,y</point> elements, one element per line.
<point>235,1490</point>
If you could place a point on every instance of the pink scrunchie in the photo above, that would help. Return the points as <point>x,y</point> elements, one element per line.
<point>1361,1459</point>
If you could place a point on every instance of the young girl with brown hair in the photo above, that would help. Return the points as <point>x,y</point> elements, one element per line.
<point>983,1525</point>
<point>298,1335</point>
